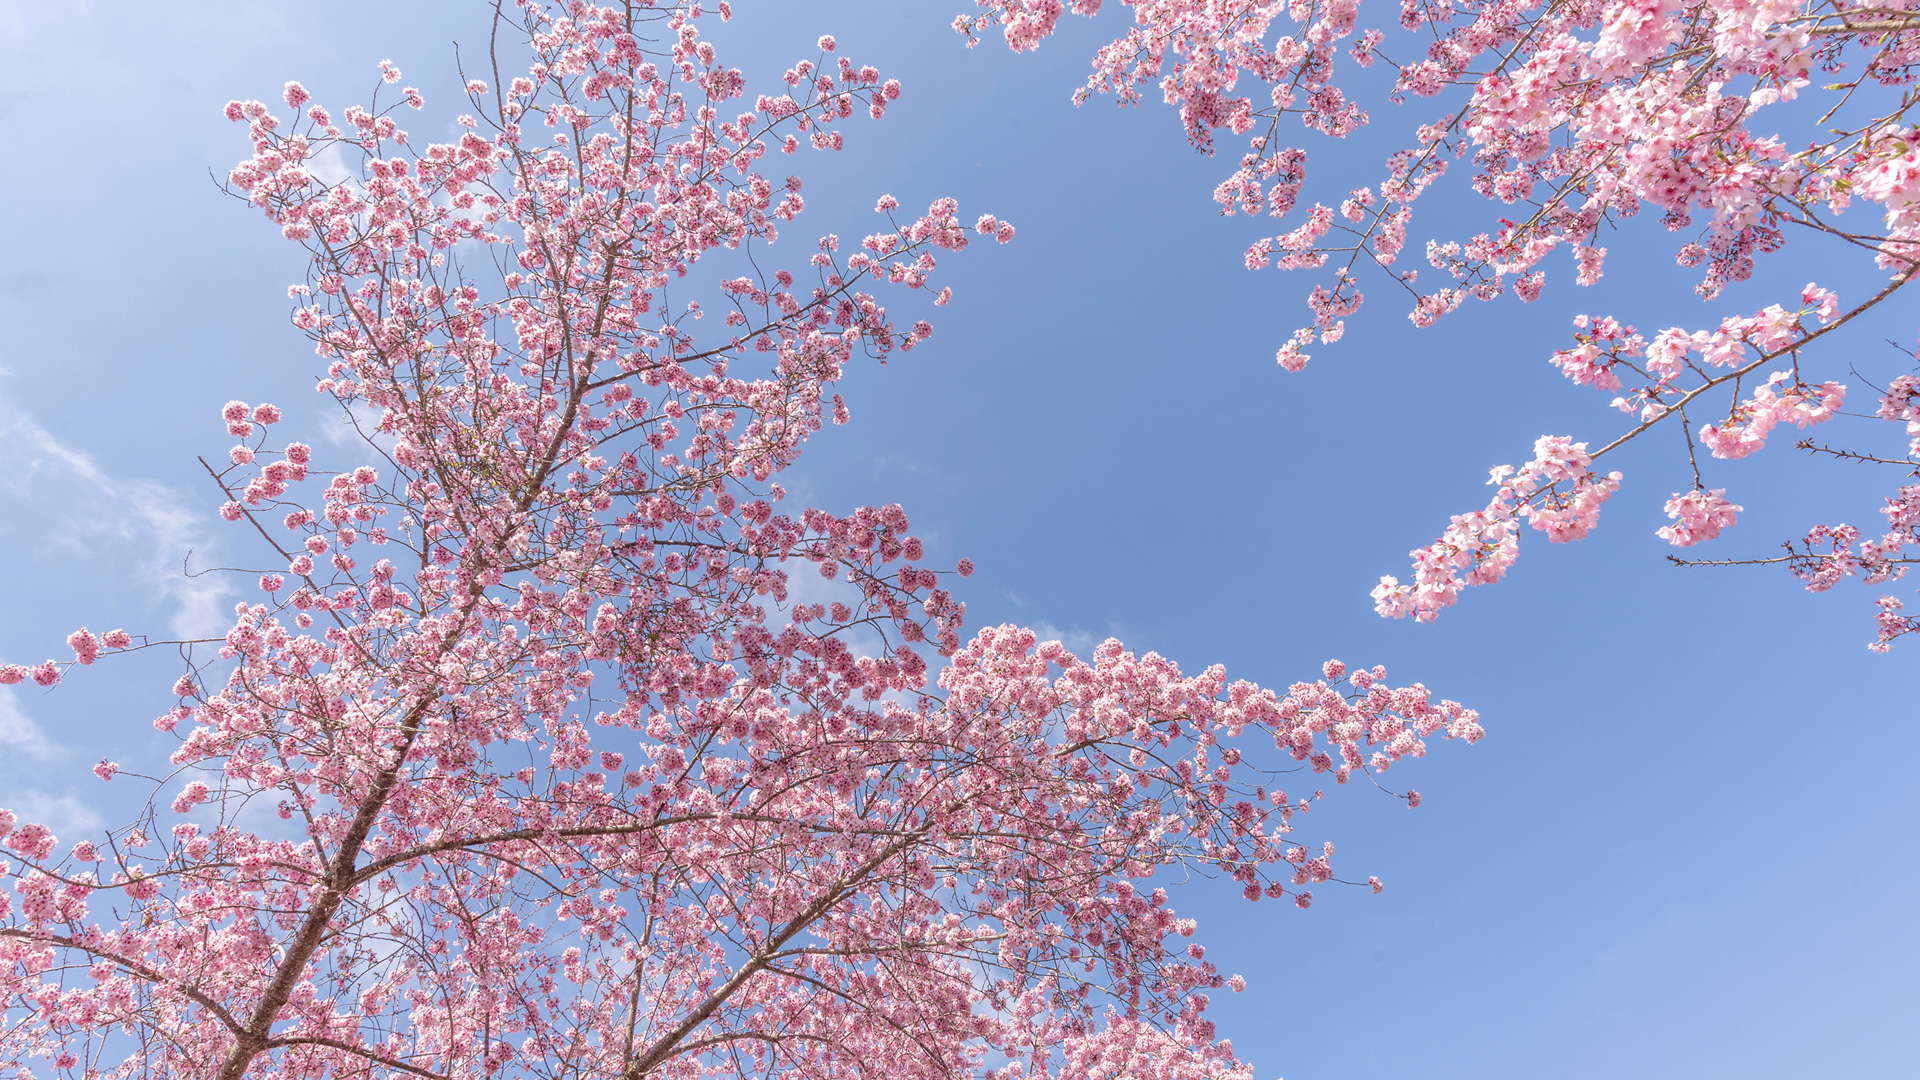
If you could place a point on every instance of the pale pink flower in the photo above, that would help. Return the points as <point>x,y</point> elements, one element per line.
<point>195,793</point>
<point>86,647</point>
<point>1700,516</point>
<point>1824,302</point>
<point>33,840</point>
<point>1667,356</point>
<point>1590,260</point>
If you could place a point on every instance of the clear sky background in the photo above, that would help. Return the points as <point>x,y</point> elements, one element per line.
<point>1686,847</point>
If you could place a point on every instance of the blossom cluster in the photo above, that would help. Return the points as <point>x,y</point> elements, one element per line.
<point>1830,553</point>
<point>1557,492</point>
<point>1580,115</point>
<point>1698,516</point>
<point>537,757</point>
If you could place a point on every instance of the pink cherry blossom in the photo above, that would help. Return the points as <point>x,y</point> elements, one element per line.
<point>1569,118</point>
<point>85,646</point>
<point>32,840</point>
<point>195,793</point>
<point>1556,492</point>
<point>1901,402</point>
<point>1699,515</point>
<point>543,765</point>
<point>1831,553</point>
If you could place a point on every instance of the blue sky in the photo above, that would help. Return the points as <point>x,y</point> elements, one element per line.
<point>1686,846</point>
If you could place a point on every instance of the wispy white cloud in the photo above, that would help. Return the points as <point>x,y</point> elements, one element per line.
<point>806,586</point>
<point>330,167</point>
<point>25,746</point>
<point>1079,642</point>
<point>66,815</point>
<point>19,734</point>
<point>145,526</point>
<point>355,427</point>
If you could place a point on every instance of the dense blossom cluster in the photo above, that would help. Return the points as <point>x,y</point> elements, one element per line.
<point>1698,515</point>
<point>531,759</point>
<point>1580,114</point>
<point>1557,492</point>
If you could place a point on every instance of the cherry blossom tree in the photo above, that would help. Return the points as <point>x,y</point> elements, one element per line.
<point>1574,115</point>
<point>532,756</point>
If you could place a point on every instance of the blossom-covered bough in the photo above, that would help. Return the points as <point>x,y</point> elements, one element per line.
<point>529,761</point>
<point>1576,114</point>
